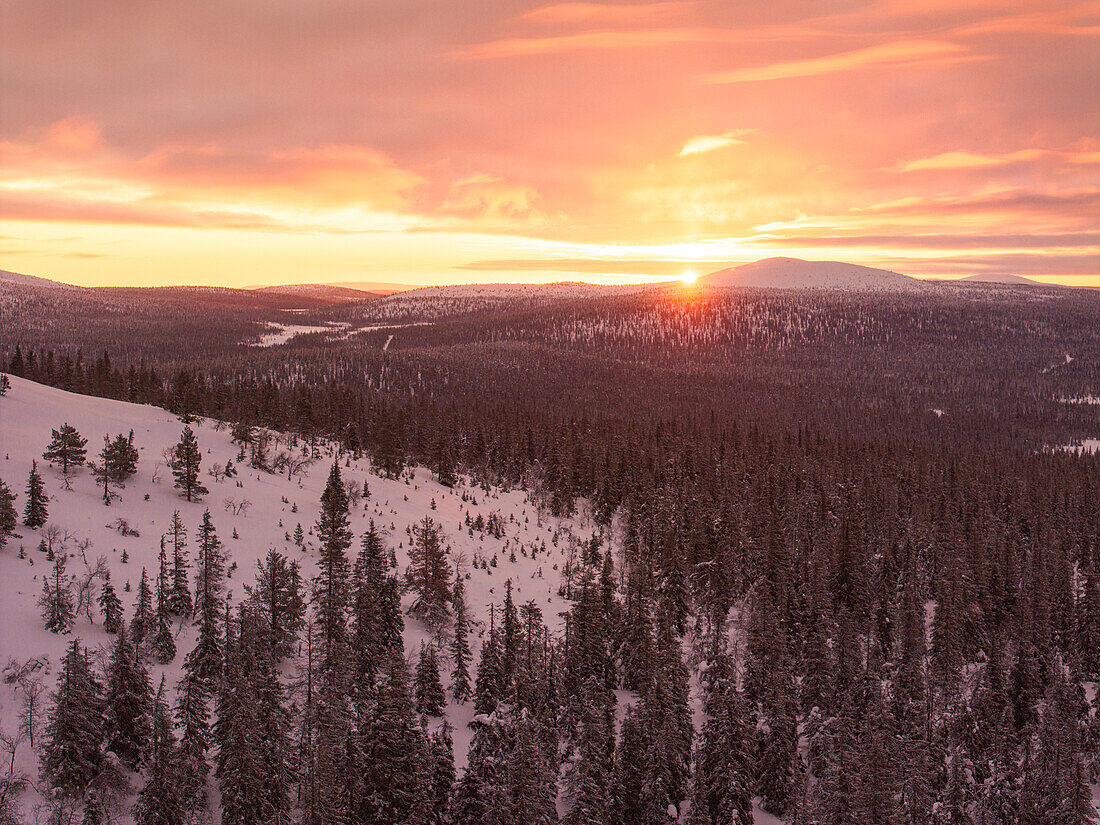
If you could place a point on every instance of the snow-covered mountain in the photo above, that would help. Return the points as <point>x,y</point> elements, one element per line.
<point>531,551</point>
<point>795,273</point>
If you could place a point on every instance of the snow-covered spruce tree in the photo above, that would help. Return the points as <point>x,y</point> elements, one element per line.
<point>442,758</point>
<point>35,511</point>
<point>120,458</point>
<point>460,645</point>
<point>722,782</point>
<point>129,703</point>
<point>377,623</point>
<point>489,684</point>
<point>180,602</point>
<point>588,787</point>
<point>56,600</point>
<point>143,625</point>
<point>778,744</point>
<point>160,801</point>
<point>236,731</point>
<point>101,474</point>
<point>193,717</point>
<point>481,794</point>
<point>67,447</point>
<point>430,699</point>
<point>276,770</point>
<point>110,606</point>
<point>277,597</point>
<point>205,659</point>
<point>8,517</point>
<point>397,788</point>
<point>532,775</point>
<point>326,780</point>
<point>186,459</point>
<point>72,755</point>
<point>429,573</point>
<point>162,642</point>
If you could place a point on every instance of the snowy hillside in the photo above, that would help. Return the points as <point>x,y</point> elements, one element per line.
<point>794,273</point>
<point>530,551</point>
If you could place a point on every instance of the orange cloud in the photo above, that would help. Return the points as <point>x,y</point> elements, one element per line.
<point>603,13</point>
<point>887,55</point>
<point>972,160</point>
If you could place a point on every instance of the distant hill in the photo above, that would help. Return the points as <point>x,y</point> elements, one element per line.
<point>794,273</point>
<point>339,290</point>
<point>31,280</point>
<point>1004,279</point>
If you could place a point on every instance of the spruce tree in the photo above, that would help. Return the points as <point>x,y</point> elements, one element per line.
<point>162,643</point>
<point>331,592</point>
<point>328,798</point>
<point>129,704</point>
<point>110,606</point>
<point>588,786</point>
<point>277,596</point>
<point>180,602</point>
<point>66,446</point>
<point>442,771</point>
<point>532,772</point>
<point>236,733</point>
<point>376,609</point>
<point>429,573</point>
<point>722,783</point>
<point>460,645</point>
<point>72,754</point>
<point>120,458</point>
<point>143,625</point>
<point>160,801</point>
<point>398,788</point>
<point>206,657</point>
<point>429,690</point>
<point>193,717</point>
<point>186,459</point>
<point>8,517</point>
<point>102,471</point>
<point>35,511</point>
<point>56,600</point>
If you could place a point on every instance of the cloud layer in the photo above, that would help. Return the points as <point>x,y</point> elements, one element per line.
<point>244,142</point>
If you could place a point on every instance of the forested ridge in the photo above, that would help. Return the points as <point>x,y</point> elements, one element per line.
<point>842,527</point>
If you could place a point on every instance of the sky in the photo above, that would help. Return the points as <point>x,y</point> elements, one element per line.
<point>246,142</point>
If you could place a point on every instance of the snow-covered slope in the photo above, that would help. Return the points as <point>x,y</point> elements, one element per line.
<point>794,273</point>
<point>32,280</point>
<point>87,531</point>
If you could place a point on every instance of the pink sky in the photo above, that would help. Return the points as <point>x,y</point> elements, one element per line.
<point>277,141</point>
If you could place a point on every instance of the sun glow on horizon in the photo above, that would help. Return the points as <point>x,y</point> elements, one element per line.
<point>689,276</point>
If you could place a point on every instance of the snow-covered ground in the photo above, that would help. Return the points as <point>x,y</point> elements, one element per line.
<point>86,531</point>
<point>1089,445</point>
<point>281,333</point>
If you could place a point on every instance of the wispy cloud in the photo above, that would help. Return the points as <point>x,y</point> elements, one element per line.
<point>708,143</point>
<point>604,13</point>
<point>635,39</point>
<point>886,55</point>
<point>974,160</point>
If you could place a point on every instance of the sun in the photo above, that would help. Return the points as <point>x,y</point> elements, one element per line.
<point>688,276</point>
